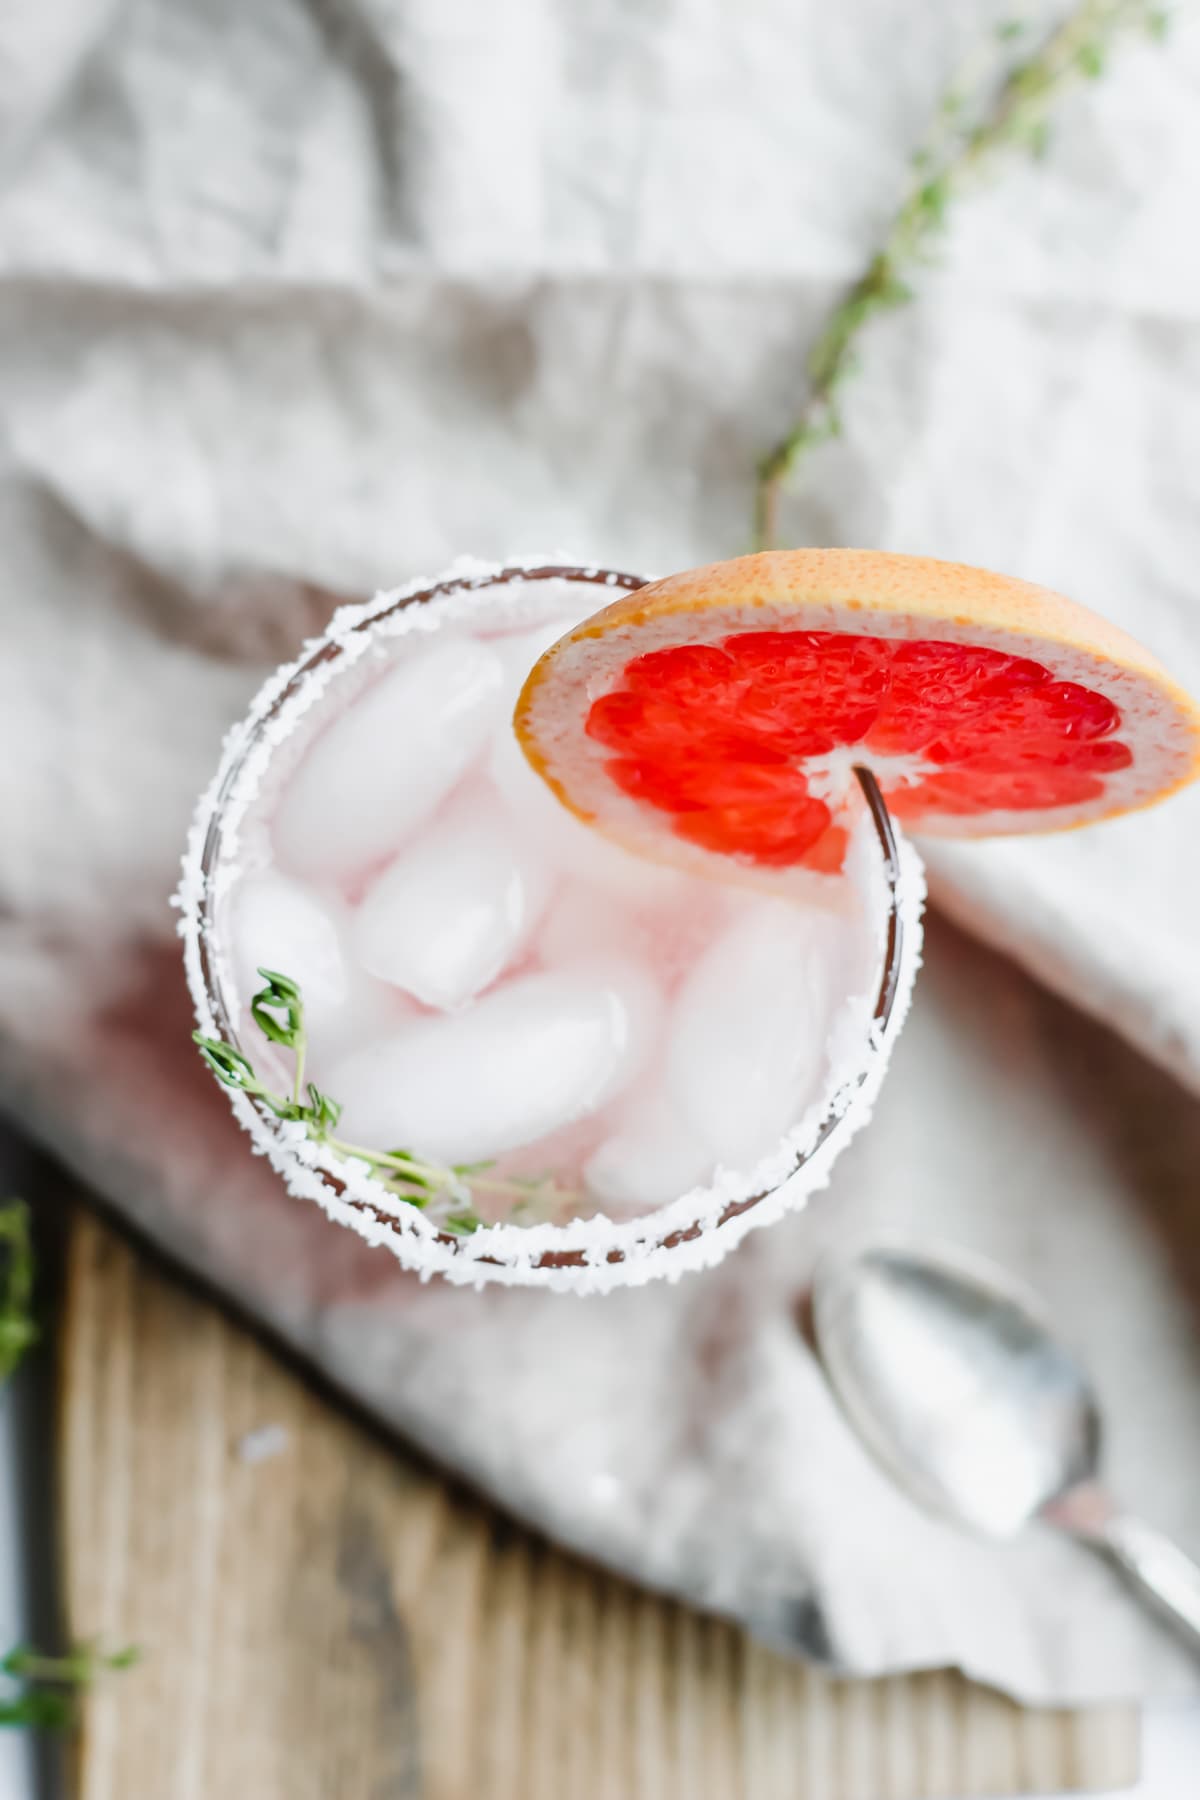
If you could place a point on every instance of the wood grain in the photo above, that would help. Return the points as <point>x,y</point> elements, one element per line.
<point>339,1622</point>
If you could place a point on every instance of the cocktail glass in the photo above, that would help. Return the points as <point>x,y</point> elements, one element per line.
<point>583,1253</point>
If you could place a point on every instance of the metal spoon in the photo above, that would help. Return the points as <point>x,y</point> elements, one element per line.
<point>953,1377</point>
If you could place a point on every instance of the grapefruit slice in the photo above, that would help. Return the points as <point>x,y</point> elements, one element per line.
<point>721,712</point>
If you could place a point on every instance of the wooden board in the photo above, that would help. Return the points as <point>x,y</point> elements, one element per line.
<point>336,1621</point>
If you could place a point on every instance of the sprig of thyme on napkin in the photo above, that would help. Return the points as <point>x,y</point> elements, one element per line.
<point>979,119</point>
<point>447,1189</point>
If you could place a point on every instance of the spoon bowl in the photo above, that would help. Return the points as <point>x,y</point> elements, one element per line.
<point>954,1377</point>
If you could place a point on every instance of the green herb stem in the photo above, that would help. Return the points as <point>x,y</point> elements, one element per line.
<point>298,1081</point>
<point>50,1702</point>
<point>78,1668</point>
<point>435,1175</point>
<point>17,1329</point>
<point>278,1011</point>
<point>978,119</point>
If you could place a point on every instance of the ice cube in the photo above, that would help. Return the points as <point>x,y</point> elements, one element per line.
<point>641,1000</point>
<point>653,1156</point>
<point>279,924</point>
<point>384,764</point>
<point>747,1044</point>
<point>523,1062</point>
<point>454,909</point>
<point>577,849</point>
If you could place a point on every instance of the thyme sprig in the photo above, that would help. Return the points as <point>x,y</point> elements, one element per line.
<point>448,1189</point>
<point>980,118</point>
<point>53,1684</point>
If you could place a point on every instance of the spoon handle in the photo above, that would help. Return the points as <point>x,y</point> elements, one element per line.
<point>1158,1567</point>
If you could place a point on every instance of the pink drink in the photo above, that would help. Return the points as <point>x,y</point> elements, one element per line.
<point>487,981</point>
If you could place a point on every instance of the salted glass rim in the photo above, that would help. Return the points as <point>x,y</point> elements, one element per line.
<point>695,1229</point>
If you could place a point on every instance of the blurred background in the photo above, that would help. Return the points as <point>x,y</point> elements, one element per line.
<point>300,299</point>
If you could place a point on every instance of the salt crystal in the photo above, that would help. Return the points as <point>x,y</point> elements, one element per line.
<point>523,1062</point>
<point>385,763</point>
<point>448,916</point>
<point>747,1044</point>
